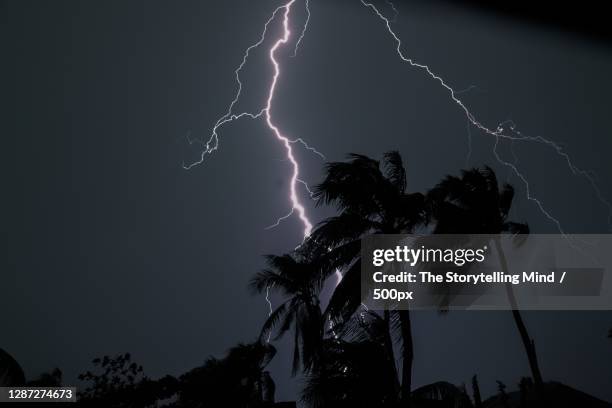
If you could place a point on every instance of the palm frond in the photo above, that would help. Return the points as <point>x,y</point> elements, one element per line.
<point>273,320</point>
<point>266,279</point>
<point>288,319</point>
<point>295,366</point>
<point>351,186</point>
<point>283,264</point>
<point>338,230</point>
<point>394,170</point>
<point>347,296</point>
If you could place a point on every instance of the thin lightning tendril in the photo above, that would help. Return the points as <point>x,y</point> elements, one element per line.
<point>394,9</point>
<point>468,128</point>
<point>304,29</point>
<point>270,310</point>
<point>213,142</point>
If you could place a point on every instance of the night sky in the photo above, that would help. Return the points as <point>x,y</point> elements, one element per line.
<point>109,245</point>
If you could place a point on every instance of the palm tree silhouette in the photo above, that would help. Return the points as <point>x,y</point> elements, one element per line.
<point>372,199</point>
<point>474,204</point>
<point>295,277</point>
<point>357,367</point>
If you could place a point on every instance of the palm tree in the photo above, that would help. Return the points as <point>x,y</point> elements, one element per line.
<point>357,367</point>
<point>295,277</point>
<point>371,198</point>
<point>474,204</point>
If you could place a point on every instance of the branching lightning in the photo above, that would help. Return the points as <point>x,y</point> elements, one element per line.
<point>504,131</point>
<point>499,132</point>
<point>266,112</point>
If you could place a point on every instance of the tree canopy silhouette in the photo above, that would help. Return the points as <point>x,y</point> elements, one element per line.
<point>371,198</point>
<point>297,280</point>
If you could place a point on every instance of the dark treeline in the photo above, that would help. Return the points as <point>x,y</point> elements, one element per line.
<point>348,356</point>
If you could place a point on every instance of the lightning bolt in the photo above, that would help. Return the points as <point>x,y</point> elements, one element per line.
<point>499,133</point>
<point>296,205</point>
<point>266,112</point>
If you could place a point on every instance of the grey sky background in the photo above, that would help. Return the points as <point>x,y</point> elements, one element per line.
<point>110,246</point>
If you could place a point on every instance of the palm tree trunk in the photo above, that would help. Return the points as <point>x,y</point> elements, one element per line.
<point>389,351</point>
<point>407,357</point>
<point>476,392</point>
<point>528,342</point>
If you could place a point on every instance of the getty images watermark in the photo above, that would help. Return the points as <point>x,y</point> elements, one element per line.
<point>487,272</point>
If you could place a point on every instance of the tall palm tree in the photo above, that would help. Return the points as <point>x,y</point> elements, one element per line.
<point>474,204</point>
<point>357,367</point>
<point>372,199</point>
<point>295,278</point>
<point>357,370</point>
